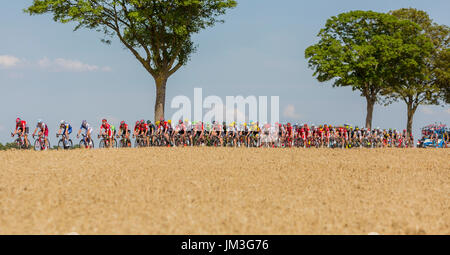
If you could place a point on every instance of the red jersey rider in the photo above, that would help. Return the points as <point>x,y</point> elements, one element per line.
<point>105,129</point>
<point>22,130</point>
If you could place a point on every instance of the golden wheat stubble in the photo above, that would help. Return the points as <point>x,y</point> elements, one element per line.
<point>225,191</point>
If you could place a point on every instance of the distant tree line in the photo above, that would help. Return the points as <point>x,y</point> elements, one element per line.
<point>9,146</point>
<point>397,56</point>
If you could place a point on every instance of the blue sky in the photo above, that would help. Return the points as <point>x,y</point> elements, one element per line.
<point>54,73</point>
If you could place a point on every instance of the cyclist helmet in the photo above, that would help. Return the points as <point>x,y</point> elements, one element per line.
<point>169,121</point>
<point>157,123</point>
<point>180,121</point>
<point>138,122</point>
<point>62,122</point>
<point>142,121</point>
<point>122,123</point>
<point>17,120</point>
<point>104,120</point>
<point>39,121</point>
<point>161,119</point>
<point>149,122</point>
<point>84,122</point>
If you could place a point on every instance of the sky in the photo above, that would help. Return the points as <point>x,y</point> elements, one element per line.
<point>50,72</point>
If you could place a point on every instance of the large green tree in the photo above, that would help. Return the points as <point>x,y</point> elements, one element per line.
<point>157,32</point>
<point>423,81</point>
<point>363,50</point>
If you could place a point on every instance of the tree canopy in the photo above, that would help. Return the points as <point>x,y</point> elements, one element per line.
<point>364,50</point>
<point>157,32</point>
<point>424,81</point>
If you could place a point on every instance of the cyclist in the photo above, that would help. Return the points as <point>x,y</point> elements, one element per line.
<point>141,129</point>
<point>113,130</point>
<point>144,131</point>
<point>85,125</point>
<point>180,128</point>
<point>216,131</point>
<point>189,130</point>
<point>21,129</point>
<point>198,132</point>
<point>43,131</point>
<point>124,132</point>
<point>289,135</point>
<point>446,137</point>
<point>105,130</point>
<point>137,128</point>
<point>151,131</point>
<point>163,130</point>
<point>65,129</point>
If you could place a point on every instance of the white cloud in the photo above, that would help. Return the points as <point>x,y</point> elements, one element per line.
<point>8,61</point>
<point>61,64</point>
<point>289,112</point>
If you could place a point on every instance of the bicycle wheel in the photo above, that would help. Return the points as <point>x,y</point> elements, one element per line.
<point>102,144</point>
<point>37,145</point>
<point>69,145</point>
<point>18,144</point>
<point>61,145</point>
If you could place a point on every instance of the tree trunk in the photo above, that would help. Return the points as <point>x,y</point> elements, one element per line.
<point>160,97</point>
<point>370,105</point>
<point>410,112</point>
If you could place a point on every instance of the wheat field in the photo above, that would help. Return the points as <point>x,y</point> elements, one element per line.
<point>225,191</point>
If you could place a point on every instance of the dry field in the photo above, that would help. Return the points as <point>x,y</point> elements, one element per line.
<point>225,191</point>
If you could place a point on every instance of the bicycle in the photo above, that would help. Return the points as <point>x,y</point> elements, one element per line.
<point>20,142</point>
<point>86,143</point>
<point>105,143</point>
<point>141,141</point>
<point>180,140</point>
<point>39,143</point>
<point>64,143</point>
<point>124,142</point>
